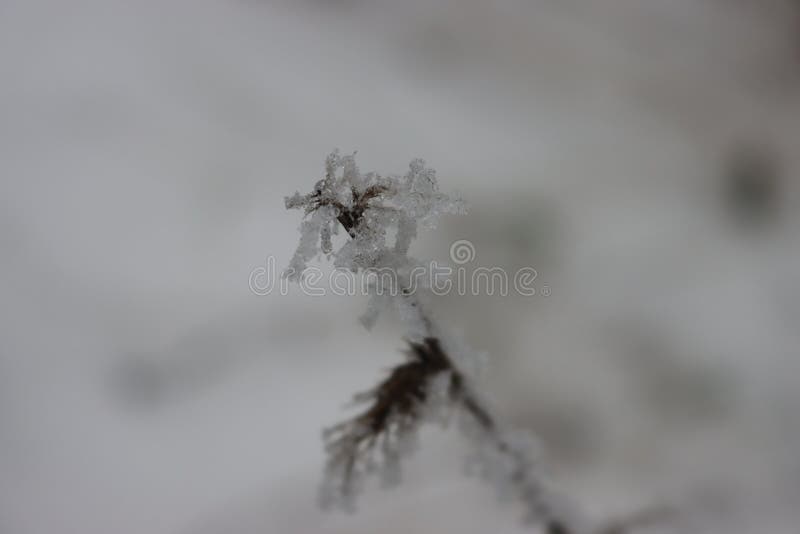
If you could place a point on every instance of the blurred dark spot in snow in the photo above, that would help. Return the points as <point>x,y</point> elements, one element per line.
<point>139,383</point>
<point>751,186</point>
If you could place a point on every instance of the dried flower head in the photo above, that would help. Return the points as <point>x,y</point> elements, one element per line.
<point>366,206</point>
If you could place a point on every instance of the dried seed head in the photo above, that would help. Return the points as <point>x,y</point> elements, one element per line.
<point>385,432</point>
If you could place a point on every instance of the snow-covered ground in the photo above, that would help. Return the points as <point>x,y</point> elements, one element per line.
<point>145,149</point>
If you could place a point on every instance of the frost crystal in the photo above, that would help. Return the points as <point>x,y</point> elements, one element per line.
<point>310,232</point>
<point>367,206</point>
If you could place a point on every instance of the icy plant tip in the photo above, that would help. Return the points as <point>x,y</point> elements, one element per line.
<point>367,206</point>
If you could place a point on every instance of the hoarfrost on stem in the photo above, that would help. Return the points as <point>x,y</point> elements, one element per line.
<point>436,378</point>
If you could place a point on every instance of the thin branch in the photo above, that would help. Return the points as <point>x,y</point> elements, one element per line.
<point>399,403</point>
<point>404,392</point>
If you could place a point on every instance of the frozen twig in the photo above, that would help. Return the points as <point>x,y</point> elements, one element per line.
<point>431,382</point>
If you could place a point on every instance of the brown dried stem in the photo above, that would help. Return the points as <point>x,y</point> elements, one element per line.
<point>398,401</point>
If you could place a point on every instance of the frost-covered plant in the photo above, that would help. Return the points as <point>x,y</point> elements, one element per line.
<point>434,380</point>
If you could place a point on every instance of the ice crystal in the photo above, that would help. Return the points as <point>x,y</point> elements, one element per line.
<point>310,231</point>
<point>367,206</point>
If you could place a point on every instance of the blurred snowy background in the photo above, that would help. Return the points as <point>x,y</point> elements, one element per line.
<point>643,156</point>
